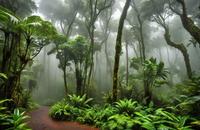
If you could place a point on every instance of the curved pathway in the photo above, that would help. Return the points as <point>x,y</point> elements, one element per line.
<point>41,121</point>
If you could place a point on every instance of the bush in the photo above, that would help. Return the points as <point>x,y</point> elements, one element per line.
<point>127,106</point>
<point>79,101</point>
<point>118,122</point>
<point>124,115</point>
<point>17,121</point>
<point>60,111</point>
<point>12,121</point>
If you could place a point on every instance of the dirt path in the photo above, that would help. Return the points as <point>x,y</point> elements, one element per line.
<point>41,121</point>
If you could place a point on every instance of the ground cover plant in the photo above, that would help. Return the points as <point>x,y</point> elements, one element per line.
<point>124,114</point>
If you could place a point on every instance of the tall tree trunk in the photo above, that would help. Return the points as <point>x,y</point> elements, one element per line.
<point>78,80</point>
<point>188,23</point>
<point>182,49</point>
<point>108,62</point>
<point>65,80</point>
<point>147,91</point>
<point>118,48</point>
<point>127,65</point>
<point>91,55</point>
<point>141,38</point>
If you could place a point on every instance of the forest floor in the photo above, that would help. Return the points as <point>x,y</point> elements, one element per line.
<point>40,120</point>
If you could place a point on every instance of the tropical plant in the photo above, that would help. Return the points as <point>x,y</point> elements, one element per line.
<point>63,55</point>
<point>3,78</point>
<point>104,113</point>
<point>155,76</point>
<point>26,37</point>
<point>17,121</point>
<point>118,122</point>
<point>97,115</point>
<point>145,120</point>
<point>89,116</point>
<point>3,114</point>
<point>65,111</point>
<point>72,51</point>
<point>19,7</point>
<point>188,99</point>
<point>127,106</point>
<point>155,72</point>
<point>60,111</point>
<point>79,101</point>
<point>172,120</point>
<point>107,97</point>
<point>161,119</point>
<point>124,115</point>
<point>12,121</point>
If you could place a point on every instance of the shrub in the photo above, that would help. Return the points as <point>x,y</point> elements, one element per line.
<point>12,121</point>
<point>88,116</point>
<point>17,121</point>
<point>127,106</point>
<point>118,122</point>
<point>60,111</point>
<point>79,101</point>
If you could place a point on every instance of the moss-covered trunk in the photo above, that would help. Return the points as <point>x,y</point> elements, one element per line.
<point>79,80</point>
<point>118,48</point>
<point>183,51</point>
<point>65,80</point>
<point>188,23</point>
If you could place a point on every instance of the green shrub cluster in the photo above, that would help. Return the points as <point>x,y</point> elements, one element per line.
<point>123,115</point>
<point>15,120</point>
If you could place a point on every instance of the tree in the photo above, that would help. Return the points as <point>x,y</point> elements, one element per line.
<point>62,54</point>
<point>139,34</point>
<point>105,19</point>
<point>93,9</point>
<point>63,13</point>
<point>156,75</point>
<point>140,30</point>
<point>187,22</point>
<point>74,51</point>
<point>159,14</point>
<point>21,8</point>
<point>23,40</point>
<point>161,20</point>
<point>80,51</point>
<point>118,48</point>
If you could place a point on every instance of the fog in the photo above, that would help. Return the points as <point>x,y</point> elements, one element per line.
<point>61,12</point>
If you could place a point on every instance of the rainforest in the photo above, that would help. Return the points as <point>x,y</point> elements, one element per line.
<point>99,64</point>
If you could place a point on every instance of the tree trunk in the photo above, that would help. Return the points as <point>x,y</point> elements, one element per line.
<point>127,65</point>
<point>188,23</point>
<point>108,62</point>
<point>65,80</point>
<point>118,48</point>
<point>182,49</point>
<point>91,55</point>
<point>147,92</point>
<point>79,90</point>
<point>141,38</point>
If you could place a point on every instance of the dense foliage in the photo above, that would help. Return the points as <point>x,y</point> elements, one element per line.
<point>124,114</point>
<point>12,121</point>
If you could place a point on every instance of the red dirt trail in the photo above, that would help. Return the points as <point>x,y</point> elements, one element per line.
<point>41,121</point>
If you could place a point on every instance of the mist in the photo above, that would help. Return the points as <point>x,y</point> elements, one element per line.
<point>135,58</point>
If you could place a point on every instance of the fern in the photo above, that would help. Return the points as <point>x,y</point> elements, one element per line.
<point>127,106</point>
<point>118,122</point>
<point>17,121</point>
<point>79,101</point>
<point>60,111</point>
